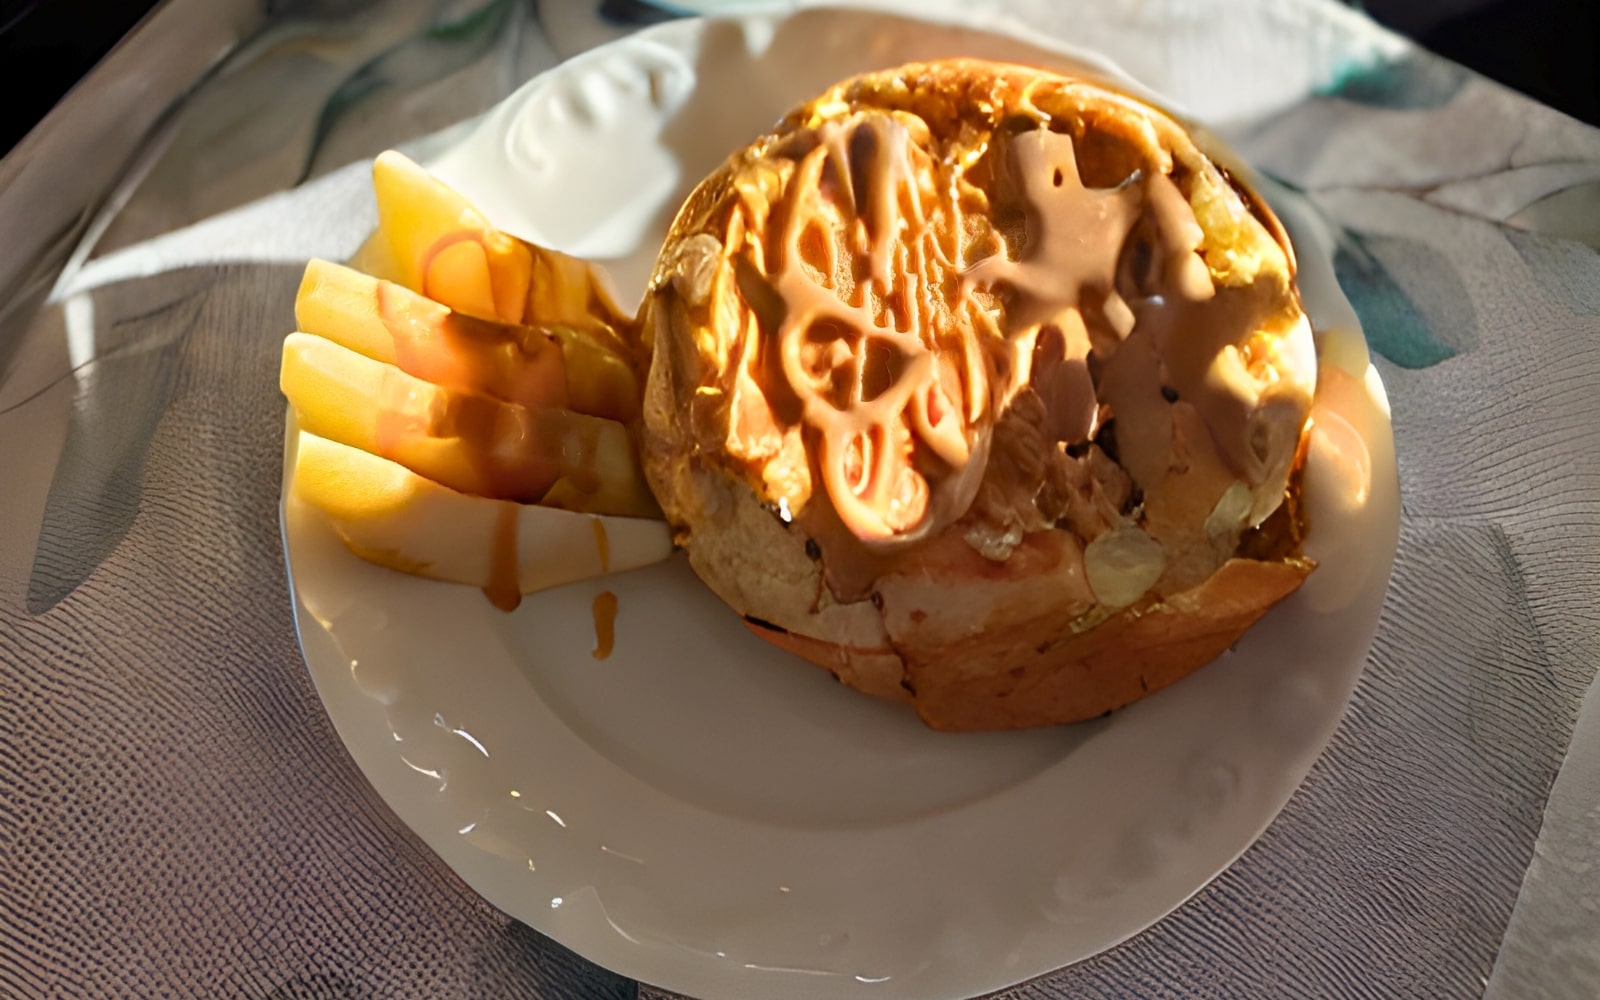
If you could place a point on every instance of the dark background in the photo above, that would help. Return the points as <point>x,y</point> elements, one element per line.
<point>1548,49</point>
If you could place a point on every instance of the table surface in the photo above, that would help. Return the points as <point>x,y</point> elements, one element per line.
<point>1542,48</point>
<point>177,816</point>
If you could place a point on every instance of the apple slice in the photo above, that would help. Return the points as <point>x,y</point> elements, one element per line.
<point>391,516</point>
<point>440,246</point>
<point>471,443</point>
<point>383,321</point>
<point>600,381</point>
<point>389,324</point>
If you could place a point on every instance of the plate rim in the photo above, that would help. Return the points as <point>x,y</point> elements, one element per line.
<point>484,883</point>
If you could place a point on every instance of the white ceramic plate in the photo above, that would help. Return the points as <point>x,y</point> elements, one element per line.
<point>702,812</point>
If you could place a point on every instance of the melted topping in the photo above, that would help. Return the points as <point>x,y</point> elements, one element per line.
<point>504,589</point>
<point>491,449</point>
<point>456,270</point>
<point>983,304</point>
<point>517,365</point>
<point>894,357</point>
<point>1074,233</point>
<point>605,624</point>
<point>859,354</point>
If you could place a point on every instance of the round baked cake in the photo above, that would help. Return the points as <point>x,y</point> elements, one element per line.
<point>985,389</point>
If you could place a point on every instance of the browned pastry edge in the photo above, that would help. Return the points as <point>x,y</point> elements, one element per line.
<point>1018,683</point>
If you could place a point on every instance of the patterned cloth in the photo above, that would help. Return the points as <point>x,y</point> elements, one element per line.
<point>178,817</point>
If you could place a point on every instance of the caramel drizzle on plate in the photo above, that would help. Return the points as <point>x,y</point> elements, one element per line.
<point>504,589</point>
<point>605,624</point>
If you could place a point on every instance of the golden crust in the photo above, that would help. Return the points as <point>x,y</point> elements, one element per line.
<point>973,642</point>
<point>879,672</point>
<point>1042,673</point>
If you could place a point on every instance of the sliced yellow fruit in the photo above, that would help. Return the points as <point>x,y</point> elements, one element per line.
<point>441,246</point>
<point>341,304</point>
<point>585,370</point>
<point>470,443</point>
<point>564,290</point>
<point>389,515</point>
<point>599,381</point>
<point>375,259</point>
<point>387,323</point>
<point>421,219</point>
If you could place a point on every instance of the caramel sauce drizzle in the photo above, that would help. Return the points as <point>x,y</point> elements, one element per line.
<point>1194,325</point>
<point>605,624</point>
<point>503,300</point>
<point>896,379</point>
<point>500,451</point>
<point>517,365</point>
<point>1074,236</point>
<point>863,354</point>
<point>504,589</point>
<point>1074,233</point>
